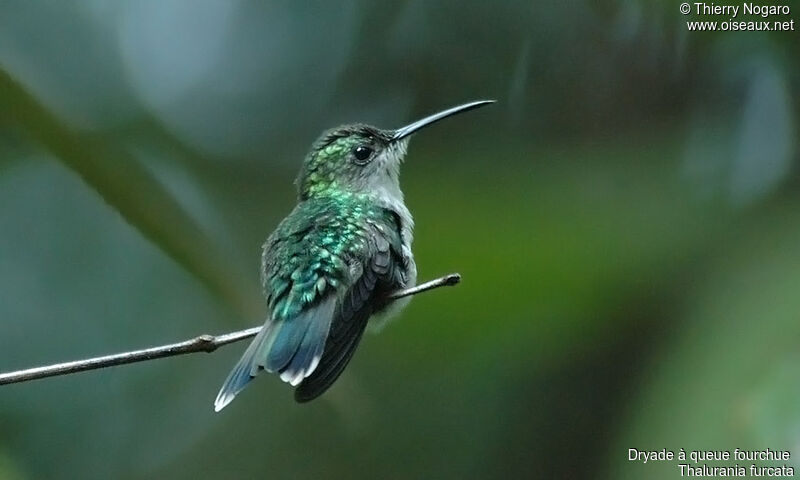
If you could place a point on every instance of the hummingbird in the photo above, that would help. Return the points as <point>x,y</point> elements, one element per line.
<point>332,263</point>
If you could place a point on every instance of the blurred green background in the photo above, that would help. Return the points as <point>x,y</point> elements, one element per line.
<point>626,219</point>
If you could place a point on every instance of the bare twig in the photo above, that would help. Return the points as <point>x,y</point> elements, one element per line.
<point>203,343</point>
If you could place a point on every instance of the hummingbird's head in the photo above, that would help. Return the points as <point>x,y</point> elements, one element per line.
<point>354,158</point>
<point>359,158</point>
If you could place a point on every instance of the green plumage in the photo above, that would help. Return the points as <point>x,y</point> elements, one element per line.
<point>329,265</point>
<point>332,263</point>
<point>310,252</point>
<point>321,249</point>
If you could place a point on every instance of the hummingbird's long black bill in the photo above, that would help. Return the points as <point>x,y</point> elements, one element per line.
<point>413,127</point>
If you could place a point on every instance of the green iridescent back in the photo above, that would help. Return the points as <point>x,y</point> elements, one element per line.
<point>311,251</point>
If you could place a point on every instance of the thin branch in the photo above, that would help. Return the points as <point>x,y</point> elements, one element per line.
<point>203,343</point>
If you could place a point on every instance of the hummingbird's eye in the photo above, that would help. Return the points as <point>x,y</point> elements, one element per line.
<point>362,154</point>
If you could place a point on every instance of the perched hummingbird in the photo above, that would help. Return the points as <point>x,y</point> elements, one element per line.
<point>332,263</point>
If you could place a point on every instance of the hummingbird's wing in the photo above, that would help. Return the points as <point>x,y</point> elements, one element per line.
<point>318,307</point>
<point>351,318</point>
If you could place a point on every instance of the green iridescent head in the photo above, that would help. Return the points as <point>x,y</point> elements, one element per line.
<point>359,158</point>
<point>352,158</point>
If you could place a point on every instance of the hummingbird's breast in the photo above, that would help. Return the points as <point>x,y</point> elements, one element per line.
<point>392,200</point>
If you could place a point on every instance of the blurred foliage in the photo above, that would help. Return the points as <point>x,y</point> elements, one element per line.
<point>625,219</point>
